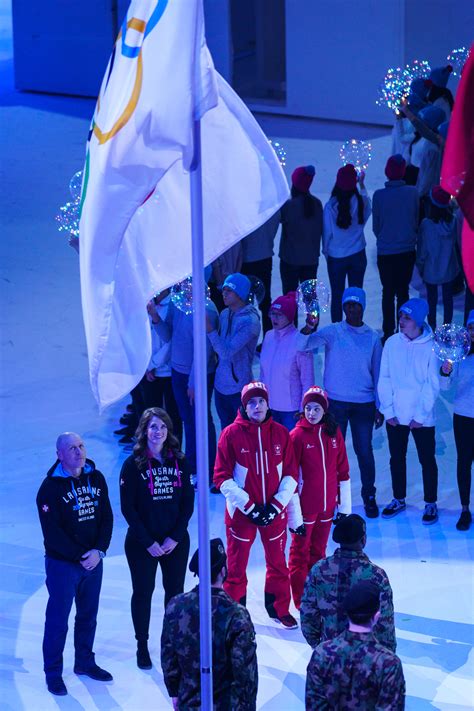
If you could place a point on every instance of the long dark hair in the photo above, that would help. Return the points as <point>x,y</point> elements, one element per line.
<point>329,422</point>
<point>344,197</point>
<point>308,201</point>
<point>171,443</point>
<point>441,91</point>
<point>439,214</point>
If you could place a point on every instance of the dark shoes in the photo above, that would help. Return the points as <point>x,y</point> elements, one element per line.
<point>94,672</point>
<point>395,507</point>
<point>143,657</point>
<point>465,521</point>
<point>370,507</point>
<point>213,489</point>
<point>56,686</point>
<point>430,515</point>
<point>288,622</point>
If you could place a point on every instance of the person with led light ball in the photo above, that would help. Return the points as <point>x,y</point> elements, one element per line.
<point>323,484</point>
<point>256,471</point>
<point>408,387</point>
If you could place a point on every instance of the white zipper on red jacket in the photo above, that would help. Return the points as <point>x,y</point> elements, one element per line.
<point>262,468</point>
<point>324,469</point>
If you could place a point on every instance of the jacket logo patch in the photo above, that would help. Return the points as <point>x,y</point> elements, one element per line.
<point>277,449</point>
<point>310,446</point>
<point>244,451</point>
<point>121,481</point>
<point>45,508</point>
<point>334,442</point>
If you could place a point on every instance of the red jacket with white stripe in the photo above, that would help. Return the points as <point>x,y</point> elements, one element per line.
<point>323,480</point>
<point>255,464</point>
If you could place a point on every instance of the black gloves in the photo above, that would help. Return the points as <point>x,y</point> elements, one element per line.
<point>271,512</point>
<point>300,531</point>
<point>263,515</point>
<point>338,517</point>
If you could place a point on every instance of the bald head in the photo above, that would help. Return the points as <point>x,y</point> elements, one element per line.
<point>71,452</point>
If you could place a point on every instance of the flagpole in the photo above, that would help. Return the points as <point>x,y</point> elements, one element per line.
<point>200,413</point>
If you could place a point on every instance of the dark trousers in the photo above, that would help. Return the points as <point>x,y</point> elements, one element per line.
<point>180,382</point>
<point>143,572</point>
<point>352,267</point>
<point>67,582</point>
<point>425,446</point>
<point>361,417</point>
<point>396,271</point>
<point>159,393</point>
<point>262,268</point>
<point>292,275</point>
<point>227,407</point>
<point>432,297</point>
<point>464,438</point>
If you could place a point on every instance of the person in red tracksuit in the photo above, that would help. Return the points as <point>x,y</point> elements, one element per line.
<point>323,484</point>
<point>256,471</point>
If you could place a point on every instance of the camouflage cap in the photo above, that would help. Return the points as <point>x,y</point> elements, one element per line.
<point>349,529</point>
<point>218,558</point>
<point>363,598</point>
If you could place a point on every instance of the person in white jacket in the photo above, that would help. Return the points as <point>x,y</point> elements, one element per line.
<point>408,387</point>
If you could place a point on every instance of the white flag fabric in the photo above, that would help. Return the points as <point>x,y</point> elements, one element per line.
<point>135,229</point>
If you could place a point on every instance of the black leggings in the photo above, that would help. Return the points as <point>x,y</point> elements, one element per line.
<point>143,571</point>
<point>464,438</point>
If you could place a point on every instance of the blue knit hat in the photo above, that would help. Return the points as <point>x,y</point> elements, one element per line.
<point>420,87</point>
<point>440,75</point>
<point>470,317</point>
<point>433,116</point>
<point>417,309</point>
<point>353,293</point>
<point>238,283</point>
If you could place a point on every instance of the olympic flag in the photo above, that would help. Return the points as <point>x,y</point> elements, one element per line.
<point>135,228</point>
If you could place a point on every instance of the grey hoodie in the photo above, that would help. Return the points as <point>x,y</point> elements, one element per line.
<point>235,345</point>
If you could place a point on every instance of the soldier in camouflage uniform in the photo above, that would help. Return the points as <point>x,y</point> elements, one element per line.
<point>353,670</point>
<point>329,581</point>
<point>234,658</point>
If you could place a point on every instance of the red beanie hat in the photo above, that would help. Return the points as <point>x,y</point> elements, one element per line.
<point>316,394</point>
<point>285,305</point>
<point>439,197</point>
<point>395,168</point>
<point>346,177</point>
<point>302,177</point>
<point>253,389</point>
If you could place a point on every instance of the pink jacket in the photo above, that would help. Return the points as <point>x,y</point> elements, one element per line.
<point>286,372</point>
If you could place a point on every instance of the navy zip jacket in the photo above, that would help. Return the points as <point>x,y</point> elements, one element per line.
<point>75,513</point>
<point>157,500</point>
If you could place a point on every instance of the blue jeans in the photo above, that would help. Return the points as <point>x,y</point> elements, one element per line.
<point>353,267</point>
<point>227,407</point>
<point>180,382</point>
<point>287,419</point>
<point>67,582</point>
<point>360,416</point>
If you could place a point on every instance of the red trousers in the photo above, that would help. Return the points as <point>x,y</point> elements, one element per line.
<point>305,551</point>
<point>241,533</point>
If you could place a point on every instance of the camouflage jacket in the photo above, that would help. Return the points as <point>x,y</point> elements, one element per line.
<point>234,658</point>
<point>327,584</point>
<point>354,671</point>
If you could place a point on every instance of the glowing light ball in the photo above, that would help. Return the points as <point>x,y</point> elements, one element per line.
<point>75,185</point>
<point>451,342</point>
<point>68,218</point>
<point>257,290</point>
<point>359,153</point>
<point>396,83</point>
<point>279,150</point>
<point>182,295</point>
<point>457,58</point>
<point>312,297</point>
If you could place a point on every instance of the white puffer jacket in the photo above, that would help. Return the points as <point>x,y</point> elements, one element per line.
<point>409,379</point>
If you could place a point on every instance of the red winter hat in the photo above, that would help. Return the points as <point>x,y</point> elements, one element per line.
<point>285,305</point>
<point>346,177</point>
<point>253,389</point>
<point>439,197</point>
<point>316,394</point>
<point>302,177</point>
<point>395,168</point>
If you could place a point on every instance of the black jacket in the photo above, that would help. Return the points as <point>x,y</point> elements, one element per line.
<point>75,513</point>
<point>159,503</point>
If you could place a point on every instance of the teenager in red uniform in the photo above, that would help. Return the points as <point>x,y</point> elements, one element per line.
<point>255,469</point>
<point>323,484</point>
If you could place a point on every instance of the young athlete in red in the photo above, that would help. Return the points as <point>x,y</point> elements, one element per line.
<point>323,484</point>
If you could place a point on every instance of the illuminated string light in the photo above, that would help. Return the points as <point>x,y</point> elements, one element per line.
<point>397,81</point>
<point>279,150</point>
<point>457,58</point>
<point>359,153</point>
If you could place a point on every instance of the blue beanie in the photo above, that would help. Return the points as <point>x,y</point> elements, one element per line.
<point>470,317</point>
<point>420,87</point>
<point>238,283</point>
<point>440,75</point>
<point>353,293</point>
<point>433,116</point>
<point>417,309</point>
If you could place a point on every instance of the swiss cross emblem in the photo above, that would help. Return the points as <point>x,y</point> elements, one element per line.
<point>121,481</point>
<point>277,448</point>
<point>45,508</point>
